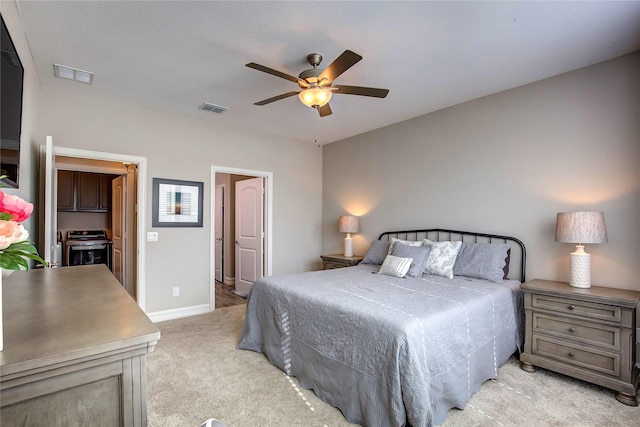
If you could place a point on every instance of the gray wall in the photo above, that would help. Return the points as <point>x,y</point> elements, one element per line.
<point>506,164</point>
<point>184,148</point>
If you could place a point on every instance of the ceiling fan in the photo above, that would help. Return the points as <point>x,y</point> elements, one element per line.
<point>317,83</point>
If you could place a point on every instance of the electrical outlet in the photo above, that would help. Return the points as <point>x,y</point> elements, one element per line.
<point>152,236</point>
<point>176,291</point>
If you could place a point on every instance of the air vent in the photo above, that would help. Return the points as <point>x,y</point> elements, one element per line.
<point>75,74</point>
<point>206,106</point>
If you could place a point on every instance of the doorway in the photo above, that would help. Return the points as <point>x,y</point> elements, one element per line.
<point>58,156</point>
<point>223,238</point>
<point>100,196</point>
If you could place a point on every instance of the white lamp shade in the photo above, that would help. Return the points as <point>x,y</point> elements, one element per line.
<point>348,224</point>
<point>581,227</point>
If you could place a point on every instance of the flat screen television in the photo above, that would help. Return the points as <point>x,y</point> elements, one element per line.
<point>11,82</point>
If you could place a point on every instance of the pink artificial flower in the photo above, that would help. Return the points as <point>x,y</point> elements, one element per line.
<point>15,206</point>
<point>11,232</point>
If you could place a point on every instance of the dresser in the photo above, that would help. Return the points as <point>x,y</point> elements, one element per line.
<point>75,346</point>
<point>330,262</point>
<point>589,334</point>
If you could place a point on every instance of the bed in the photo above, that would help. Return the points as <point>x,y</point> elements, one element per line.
<point>396,351</point>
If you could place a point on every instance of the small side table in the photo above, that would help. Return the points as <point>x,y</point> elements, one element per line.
<point>588,334</point>
<point>329,262</point>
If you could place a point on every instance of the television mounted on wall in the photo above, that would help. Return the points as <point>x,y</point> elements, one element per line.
<point>11,83</point>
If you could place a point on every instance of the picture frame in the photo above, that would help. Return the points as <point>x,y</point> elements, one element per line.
<point>177,203</point>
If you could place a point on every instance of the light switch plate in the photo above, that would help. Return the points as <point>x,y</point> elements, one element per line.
<point>152,236</point>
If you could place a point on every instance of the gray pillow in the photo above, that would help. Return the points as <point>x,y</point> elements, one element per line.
<point>419,254</point>
<point>376,253</point>
<point>482,261</point>
<point>393,241</point>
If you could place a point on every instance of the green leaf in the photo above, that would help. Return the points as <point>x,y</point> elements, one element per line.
<point>6,216</point>
<point>17,255</point>
<point>9,263</point>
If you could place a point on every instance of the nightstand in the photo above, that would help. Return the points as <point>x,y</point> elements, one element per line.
<point>330,262</point>
<point>589,334</point>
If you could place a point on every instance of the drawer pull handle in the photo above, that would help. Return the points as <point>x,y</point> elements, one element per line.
<point>572,330</point>
<point>571,354</point>
<point>571,307</point>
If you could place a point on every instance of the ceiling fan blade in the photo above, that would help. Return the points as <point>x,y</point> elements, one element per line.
<point>273,72</point>
<point>342,63</point>
<point>276,98</point>
<point>325,110</point>
<point>362,91</point>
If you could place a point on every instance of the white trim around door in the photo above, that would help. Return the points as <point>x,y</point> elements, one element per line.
<point>268,221</point>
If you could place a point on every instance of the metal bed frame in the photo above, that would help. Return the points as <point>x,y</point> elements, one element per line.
<point>516,258</point>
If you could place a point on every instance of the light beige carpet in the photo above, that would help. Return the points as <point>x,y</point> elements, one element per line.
<point>196,373</point>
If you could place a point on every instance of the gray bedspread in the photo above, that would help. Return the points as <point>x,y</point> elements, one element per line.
<point>386,351</point>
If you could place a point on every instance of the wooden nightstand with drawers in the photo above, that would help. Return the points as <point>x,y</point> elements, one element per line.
<point>589,334</point>
<point>329,262</point>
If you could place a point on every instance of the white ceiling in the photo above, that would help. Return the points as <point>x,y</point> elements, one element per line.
<point>173,56</point>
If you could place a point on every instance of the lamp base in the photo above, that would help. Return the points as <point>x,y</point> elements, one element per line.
<point>580,268</point>
<point>348,245</point>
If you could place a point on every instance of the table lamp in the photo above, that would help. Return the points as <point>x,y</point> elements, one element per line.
<point>580,228</point>
<point>348,224</point>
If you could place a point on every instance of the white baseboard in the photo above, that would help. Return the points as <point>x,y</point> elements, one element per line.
<point>177,313</point>
<point>229,281</point>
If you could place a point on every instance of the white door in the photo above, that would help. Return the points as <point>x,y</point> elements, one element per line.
<point>118,230</point>
<point>48,178</point>
<point>219,232</point>
<point>249,233</point>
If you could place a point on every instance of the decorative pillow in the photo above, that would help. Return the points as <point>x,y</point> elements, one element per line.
<point>393,240</point>
<point>482,261</point>
<point>376,253</point>
<point>395,266</point>
<point>442,258</point>
<point>419,254</point>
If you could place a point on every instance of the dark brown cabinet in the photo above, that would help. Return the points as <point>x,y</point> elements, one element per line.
<point>106,190</point>
<point>65,191</point>
<point>84,191</point>
<point>88,190</point>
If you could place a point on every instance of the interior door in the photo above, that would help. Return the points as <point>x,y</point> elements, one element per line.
<point>48,176</point>
<point>219,232</point>
<point>249,232</point>
<point>118,230</point>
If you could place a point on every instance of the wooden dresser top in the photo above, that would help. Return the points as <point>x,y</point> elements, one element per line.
<point>53,316</point>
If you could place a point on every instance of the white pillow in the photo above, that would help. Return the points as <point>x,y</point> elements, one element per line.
<point>442,258</point>
<point>395,266</point>
<point>404,242</point>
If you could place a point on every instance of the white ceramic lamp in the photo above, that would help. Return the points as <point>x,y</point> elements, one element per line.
<point>580,228</point>
<point>348,224</point>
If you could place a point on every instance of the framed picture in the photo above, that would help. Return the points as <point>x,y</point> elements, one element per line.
<point>177,203</point>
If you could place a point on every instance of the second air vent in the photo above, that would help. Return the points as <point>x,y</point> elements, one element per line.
<point>206,106</point>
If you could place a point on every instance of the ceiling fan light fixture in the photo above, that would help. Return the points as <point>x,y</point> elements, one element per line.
<point>315,97</point>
